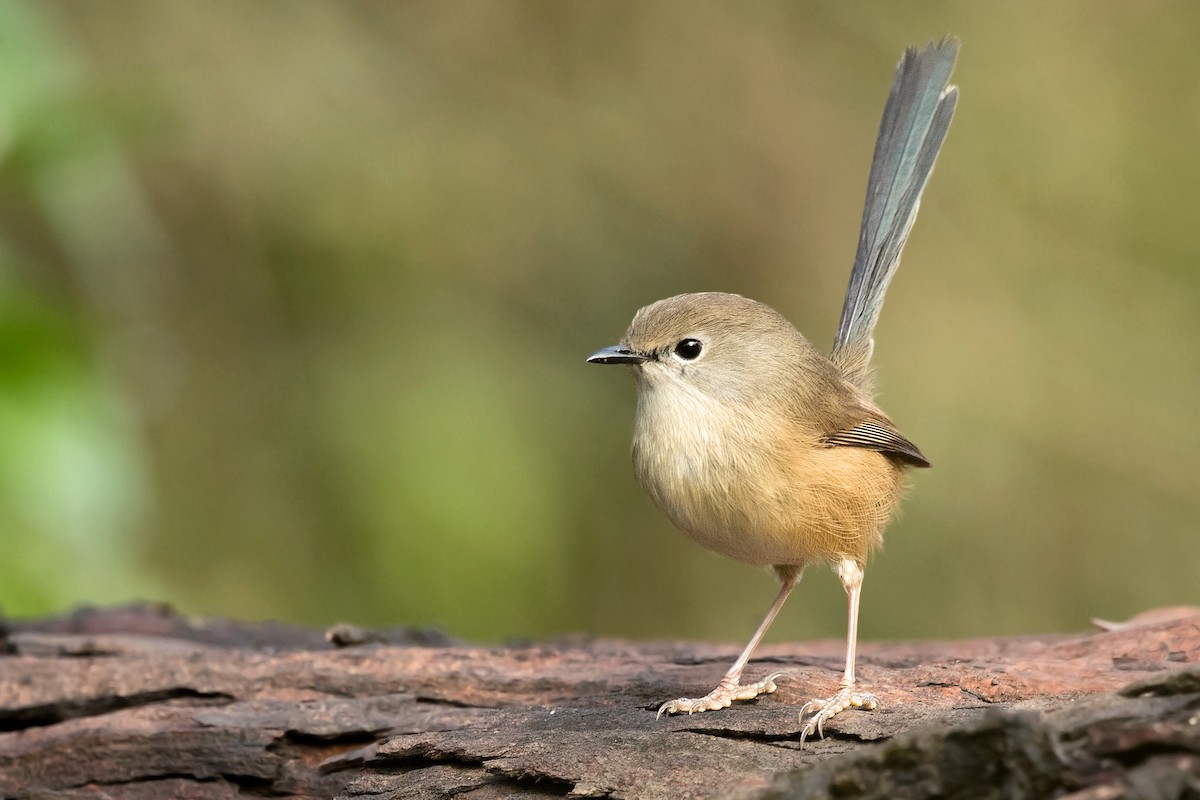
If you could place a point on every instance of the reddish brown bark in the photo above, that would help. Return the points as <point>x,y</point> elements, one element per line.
<point>140,703</point>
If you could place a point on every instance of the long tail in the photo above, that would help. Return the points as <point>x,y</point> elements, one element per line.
<point>915,120</point>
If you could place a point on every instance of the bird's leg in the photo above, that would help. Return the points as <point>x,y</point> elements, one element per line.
<point>851,574</point>
<point>730,688</point>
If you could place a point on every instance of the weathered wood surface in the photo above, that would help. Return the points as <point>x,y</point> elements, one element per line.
<point>140,703</point>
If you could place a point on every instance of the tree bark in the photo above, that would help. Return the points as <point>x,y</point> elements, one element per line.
<point>141,703</point>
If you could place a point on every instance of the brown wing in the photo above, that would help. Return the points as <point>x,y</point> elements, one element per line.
<point>881,435</point>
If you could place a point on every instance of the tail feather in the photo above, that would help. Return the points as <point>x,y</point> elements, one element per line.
<point>914,125</point>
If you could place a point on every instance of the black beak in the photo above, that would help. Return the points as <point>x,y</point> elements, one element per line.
<point>617,354</point>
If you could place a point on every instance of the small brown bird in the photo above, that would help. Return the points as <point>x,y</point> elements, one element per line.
<point>761,448</point>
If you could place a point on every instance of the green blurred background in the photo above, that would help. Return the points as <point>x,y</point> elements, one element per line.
<point>295,299</point>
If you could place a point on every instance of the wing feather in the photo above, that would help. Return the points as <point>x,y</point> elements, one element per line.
<point>880,435</point>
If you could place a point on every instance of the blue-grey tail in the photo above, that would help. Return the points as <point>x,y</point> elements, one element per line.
<point>914,125</point>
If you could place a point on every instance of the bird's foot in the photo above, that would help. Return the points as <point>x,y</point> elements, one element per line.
<point>721,697</point>
<point>826,710</point>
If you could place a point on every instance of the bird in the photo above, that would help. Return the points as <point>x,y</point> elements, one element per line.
<point>763,449</point>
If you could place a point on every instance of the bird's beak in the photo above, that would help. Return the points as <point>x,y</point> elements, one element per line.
<point>617,354</point>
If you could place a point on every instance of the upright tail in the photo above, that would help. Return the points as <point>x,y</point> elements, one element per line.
<point>915,120</point>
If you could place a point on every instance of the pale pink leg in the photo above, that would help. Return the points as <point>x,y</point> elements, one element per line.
<point>730,688</point>
<point>851,574</point>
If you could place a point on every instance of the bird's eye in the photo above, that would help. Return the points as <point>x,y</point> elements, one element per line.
<point>689,349</point>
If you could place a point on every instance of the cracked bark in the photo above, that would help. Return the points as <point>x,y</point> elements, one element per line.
<point>139,703</point>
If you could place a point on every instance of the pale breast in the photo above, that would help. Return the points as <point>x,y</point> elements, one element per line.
<point>754,492</point>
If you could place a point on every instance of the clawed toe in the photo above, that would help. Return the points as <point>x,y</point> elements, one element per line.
<point>825,710</point>
<point>720,697</point>
<point>685,705</point>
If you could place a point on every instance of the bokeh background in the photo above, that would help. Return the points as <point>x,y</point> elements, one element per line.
<point>295,297</point>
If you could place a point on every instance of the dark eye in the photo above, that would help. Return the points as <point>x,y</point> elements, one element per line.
<point>689,349</point>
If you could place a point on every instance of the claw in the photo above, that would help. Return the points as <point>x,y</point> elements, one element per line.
<point>826,710</point>
<point>721,697</point>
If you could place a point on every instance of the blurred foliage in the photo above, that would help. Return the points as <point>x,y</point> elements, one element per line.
<point>295,296</point>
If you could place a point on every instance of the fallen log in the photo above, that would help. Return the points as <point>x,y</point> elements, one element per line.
<point>140,702</point>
